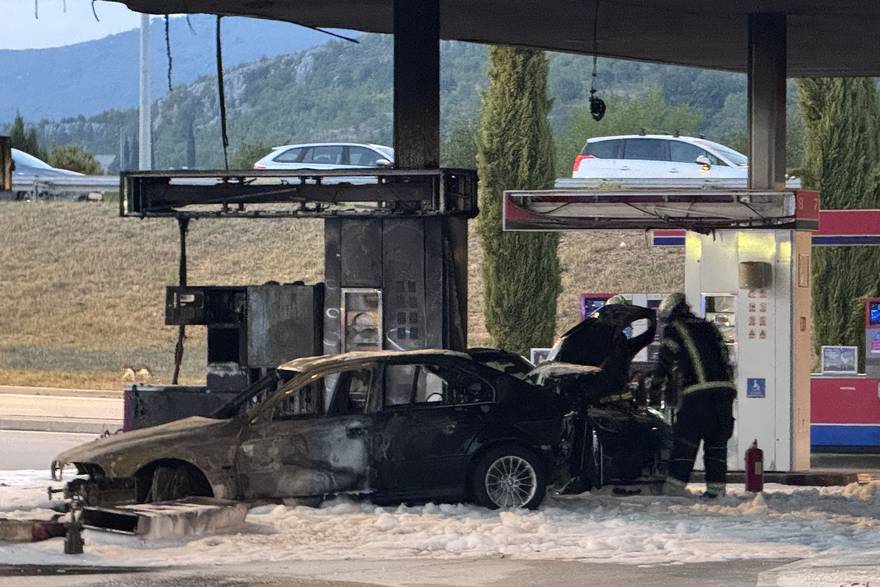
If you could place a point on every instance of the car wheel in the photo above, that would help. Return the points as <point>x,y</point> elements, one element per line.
<point>509,477</point>
<point>170,483</point>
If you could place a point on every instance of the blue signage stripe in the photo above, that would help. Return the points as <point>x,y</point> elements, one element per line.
<point>826,435</point>
<point>828,241</point>
<point>846,240</point>
<point>668,241</point>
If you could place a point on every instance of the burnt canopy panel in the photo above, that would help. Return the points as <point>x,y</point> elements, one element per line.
<point>824,38</point>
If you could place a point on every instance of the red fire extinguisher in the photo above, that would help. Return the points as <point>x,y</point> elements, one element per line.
<point>755,468</point>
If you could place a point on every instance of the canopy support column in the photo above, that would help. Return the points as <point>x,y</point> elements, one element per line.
<point>766,78</point>
<point>417,84</point>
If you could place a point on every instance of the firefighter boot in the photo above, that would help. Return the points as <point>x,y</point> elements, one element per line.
<point>675,488</point>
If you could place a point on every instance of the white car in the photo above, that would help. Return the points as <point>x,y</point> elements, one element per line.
<point>327,156</point>
<point>658,156</point>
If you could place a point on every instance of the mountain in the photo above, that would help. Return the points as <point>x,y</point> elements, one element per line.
<point>341,90</point>
<point>91,77</point>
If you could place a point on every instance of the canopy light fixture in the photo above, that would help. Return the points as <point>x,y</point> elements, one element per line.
<point>597,104</point>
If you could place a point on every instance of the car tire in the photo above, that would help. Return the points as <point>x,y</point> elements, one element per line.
<point>509,477</point>
<point>170,483</point>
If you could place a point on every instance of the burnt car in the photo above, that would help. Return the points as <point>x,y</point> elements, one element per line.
<point>397,426</point>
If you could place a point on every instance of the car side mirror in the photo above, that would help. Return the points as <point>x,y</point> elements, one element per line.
<point>383,163</point>
<point>704,161</point>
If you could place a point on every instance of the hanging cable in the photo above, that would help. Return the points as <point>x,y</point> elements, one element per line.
<point>182,227</point>
<point>222,97</point>
<point>168,48</point>
<point>95,12</point>
<point>190,25</point>
<point>37,9</point>
<point>597,105</point>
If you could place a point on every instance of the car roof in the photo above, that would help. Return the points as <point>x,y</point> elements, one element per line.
<point>647,136</point>
<point>344,144</point>
<point>307,363</point>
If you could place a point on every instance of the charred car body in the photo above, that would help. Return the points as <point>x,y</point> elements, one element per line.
<point>409,425</point>
<point>395,425</point>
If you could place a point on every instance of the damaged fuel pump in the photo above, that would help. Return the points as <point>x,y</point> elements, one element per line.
<point>395,273</point>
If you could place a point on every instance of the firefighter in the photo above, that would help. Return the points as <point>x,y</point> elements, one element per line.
<point>694,371</point>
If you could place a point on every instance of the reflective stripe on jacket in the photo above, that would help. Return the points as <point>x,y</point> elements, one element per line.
<point>693,357</point>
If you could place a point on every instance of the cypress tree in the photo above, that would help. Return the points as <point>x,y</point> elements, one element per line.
<point>841,153</point>
<point>24,139</point>
<point>515,151</point>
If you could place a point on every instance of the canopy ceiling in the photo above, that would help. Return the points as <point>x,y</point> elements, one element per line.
<point>825,38</point>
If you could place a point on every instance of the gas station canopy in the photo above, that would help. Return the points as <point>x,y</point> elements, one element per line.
<point>824,38</point>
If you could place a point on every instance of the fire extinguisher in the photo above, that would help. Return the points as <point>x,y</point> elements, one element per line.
<point>755,468</point>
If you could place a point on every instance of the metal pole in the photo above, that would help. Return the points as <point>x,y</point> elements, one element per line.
<point>766,81</point>
<point>145,138</point>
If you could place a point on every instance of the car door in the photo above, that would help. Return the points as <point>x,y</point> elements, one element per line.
<point>311,438</point>
<point>430,415</point>
<point>644,158</point>
<point>363,157</point>
<point>323,157</point>
<point>683,157</point>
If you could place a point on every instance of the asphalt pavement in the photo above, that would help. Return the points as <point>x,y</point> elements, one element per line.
<point>49,409</point>
<point>25,449</point>
<point>424,573</point>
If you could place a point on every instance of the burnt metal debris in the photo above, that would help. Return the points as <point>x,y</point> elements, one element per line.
<point>299,193</point>
<point>395,272</point>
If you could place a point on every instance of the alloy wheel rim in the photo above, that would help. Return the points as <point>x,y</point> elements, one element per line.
<point>511,482</point>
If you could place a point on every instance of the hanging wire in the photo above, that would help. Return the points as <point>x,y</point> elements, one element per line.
<point>190,25</point>
<point>597,105</point>
<point>331,33</point>
<point>64,6</point>
<point>168,48</point>
<point>222,97</point>
<point>95,12</point>
<point>37,9</point>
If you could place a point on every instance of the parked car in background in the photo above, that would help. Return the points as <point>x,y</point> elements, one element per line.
<point>654,156</point>
<point>327,156</point>
<point>27,168</point>
<point>28,165</point>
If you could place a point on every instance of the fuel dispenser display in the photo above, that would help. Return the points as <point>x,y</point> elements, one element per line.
<point>720,309</point>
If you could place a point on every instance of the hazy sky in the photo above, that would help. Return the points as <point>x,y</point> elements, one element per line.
<point>19,29</point>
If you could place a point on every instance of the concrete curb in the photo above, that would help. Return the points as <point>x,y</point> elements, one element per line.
<point>70,426</point>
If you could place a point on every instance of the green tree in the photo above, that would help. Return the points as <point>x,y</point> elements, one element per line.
<point>649,111</point>
<point>460,147</point>
<point>74,158</point>
<point>25,139</point>
<point>841,154</point>
<point>247,154</point>
<point>515,151</point>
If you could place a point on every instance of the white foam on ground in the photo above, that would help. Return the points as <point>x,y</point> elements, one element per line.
<point>783,522</point>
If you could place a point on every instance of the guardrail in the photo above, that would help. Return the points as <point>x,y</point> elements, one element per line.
<point>73,187</point>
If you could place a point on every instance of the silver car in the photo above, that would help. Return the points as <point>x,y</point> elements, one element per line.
<point>327,156</point>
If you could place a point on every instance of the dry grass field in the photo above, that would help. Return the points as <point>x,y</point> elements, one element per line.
<point>82,290</point>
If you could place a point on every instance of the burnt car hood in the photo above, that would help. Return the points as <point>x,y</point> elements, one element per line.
<point>158,440</point>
